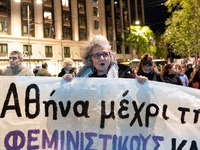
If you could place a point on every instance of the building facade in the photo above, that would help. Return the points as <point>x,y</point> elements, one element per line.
<point>52,30</point>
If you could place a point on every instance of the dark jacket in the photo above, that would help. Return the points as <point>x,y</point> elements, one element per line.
<point>63,72</point>
<point>188,72</point>
<point>43,72</point>
<point>173,79</point>
<point>153,76</point>
<point>123,72</point>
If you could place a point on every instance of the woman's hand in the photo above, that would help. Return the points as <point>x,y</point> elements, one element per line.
<point>68,77</point>
<point>141,79</point>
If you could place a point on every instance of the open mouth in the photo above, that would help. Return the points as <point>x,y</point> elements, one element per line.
<point>102,64</point>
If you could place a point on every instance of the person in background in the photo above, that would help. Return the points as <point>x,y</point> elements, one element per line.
<point>170,75</point>
<point>188,70</point>
<point>67,67</point>
<point>43,71</point>
<point>16,68</point>
<point>182,76</point>
<point>35,70</point>
<point>100,62</point>
<point>145,68</point>
<point>194,81</point>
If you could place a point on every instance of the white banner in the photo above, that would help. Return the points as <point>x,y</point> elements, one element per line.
<point>97,114</point>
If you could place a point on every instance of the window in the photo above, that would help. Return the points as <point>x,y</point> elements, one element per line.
<point>5,13</point>
<point>48,51</point>
<point>48,17</point>
<point>95,11</point>
<point>81,8</point>
<point>82,34</point>
<point>118,30</point>
<point>48,3</point>
<point>66,20</point>
<point>125,14</point>
<point>24,18</point>
<point>65,3</point>
<point>24,11</point>
<point>119,51</point>
<point>26,50</point>
<point>96,24</point>
<point>67,33</point>
<point>109,25</point>
<point>3,49</point>
<point>127,50</point>
<point>46,30</point>
<point>82,20</point>
<point>25,29</point>
<point>118,25</point>
<point>49,30</point>
<point>66,51</point>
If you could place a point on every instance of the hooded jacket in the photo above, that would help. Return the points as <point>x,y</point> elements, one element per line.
<point>184,79</point>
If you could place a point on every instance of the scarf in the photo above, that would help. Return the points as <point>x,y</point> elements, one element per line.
<point>87,71</point>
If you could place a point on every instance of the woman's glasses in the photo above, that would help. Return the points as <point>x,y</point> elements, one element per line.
<point>98,55</point>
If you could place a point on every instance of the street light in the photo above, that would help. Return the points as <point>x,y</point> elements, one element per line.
<point>137,22</point>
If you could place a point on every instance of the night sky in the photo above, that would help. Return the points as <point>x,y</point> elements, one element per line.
<point>155,14</point>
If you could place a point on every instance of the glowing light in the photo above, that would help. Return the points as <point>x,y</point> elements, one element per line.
<point>39,1</point>
<point>76,38</point>
<point>137,22</point>
<point>65,3</point>
<point>59,37</point>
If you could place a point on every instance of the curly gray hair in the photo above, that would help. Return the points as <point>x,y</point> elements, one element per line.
<point>97,40</point>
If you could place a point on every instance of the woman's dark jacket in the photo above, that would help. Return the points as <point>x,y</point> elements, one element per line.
<point>63,72</point>
<point>153,76</point>
<point>174,79</point>
<point>123,72</point>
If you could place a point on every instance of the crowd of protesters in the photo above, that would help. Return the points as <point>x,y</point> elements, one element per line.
<point>100,62</point>
<point>183,75</point>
